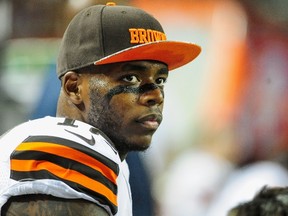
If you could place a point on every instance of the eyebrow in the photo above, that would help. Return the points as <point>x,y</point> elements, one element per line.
<point>163,71</point>
<point>139,67</point>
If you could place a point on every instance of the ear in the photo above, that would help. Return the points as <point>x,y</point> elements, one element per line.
<point>72,87</point>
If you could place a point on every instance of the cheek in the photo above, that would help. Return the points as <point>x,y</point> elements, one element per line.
<point>117,103</point>
<point>121,112</point>
<point>123,104</point>
<point>98,89</point>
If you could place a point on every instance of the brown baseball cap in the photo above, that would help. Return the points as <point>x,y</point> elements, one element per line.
<point>104,34</point>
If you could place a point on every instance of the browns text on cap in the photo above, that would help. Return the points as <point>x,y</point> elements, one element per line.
<point>104,34</point>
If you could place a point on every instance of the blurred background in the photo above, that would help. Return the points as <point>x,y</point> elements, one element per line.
<point>225,128</point>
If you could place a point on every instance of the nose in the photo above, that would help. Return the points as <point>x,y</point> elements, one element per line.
<point>151,95</point>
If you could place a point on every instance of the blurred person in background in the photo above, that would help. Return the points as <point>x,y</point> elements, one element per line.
<point>261,124</point>
<point>196,173</point>
<point>6,102</point>
<point>267,202</point>
<point>31,46</point>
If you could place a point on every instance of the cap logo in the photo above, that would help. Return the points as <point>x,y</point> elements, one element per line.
<point>140,35</point>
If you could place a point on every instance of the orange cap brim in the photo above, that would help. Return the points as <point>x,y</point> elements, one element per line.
<point>173,53</point>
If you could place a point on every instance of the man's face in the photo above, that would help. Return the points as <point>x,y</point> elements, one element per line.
<point>126,102</point>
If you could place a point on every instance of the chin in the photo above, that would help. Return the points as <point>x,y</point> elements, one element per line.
<point>139,147</point>
<point>134,145</point>
<point>141,143</point>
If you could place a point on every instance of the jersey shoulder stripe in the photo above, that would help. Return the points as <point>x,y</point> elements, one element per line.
<point>73,145</point>
<point>85,170</point>
<point>78,182</point>
<point>24,161</point>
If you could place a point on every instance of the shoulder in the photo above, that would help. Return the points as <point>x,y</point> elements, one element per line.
<point>65,151</point>
<point>61,131</point>
<point>263,172</point>
<point>245,182</point>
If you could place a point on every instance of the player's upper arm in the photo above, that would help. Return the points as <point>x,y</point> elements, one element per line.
<point>49,205</point>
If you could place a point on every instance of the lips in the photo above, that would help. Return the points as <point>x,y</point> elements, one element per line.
<point>150,121</point>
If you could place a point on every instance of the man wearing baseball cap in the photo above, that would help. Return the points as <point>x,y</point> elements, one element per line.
<point>113,63</point>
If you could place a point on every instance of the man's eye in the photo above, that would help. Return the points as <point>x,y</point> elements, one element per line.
<point>131,79</point>
<point>161,81</point>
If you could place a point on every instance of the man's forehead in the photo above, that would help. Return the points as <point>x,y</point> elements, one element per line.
<point>139,65</point>
<point>144,65</point>
<point>127,66</point>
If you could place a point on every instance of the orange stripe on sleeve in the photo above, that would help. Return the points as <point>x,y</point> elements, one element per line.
<point>67,174</point>
<point>70,153</point>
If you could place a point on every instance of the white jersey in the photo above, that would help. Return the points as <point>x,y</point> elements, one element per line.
<point>64,158</point>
